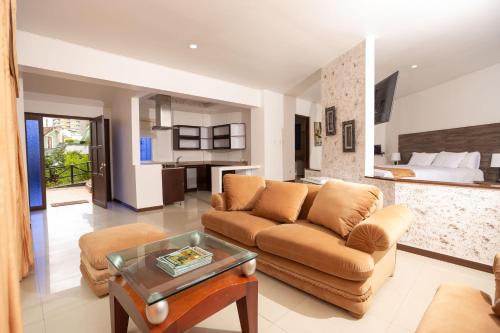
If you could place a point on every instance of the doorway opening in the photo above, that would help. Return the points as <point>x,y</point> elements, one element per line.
<point>67,164</point>
<point>66,160</point>
<point>301,145</point>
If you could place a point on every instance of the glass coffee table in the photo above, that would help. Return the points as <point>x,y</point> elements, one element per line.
<point>157,301</point>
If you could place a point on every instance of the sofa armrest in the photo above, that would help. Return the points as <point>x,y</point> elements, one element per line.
<point>218,201</point>
<point>380,231</point>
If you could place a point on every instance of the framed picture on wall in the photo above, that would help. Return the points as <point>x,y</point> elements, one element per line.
<point>317,133</point>
<point>330,120</point>
<point>348,137</point>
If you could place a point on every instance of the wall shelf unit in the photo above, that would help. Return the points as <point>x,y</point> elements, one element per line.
<point>228,136</point>
<point>206,138</point>
<point>186,137</point>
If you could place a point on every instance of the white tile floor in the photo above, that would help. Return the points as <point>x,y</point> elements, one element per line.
<point>54,298</point>
<point>64,194</point>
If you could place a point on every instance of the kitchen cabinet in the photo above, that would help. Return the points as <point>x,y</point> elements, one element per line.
<point>173,185</point>
<point>204,177</point>
<point>191,178</point>
<point>206,139</point>
<point>230,136</point>
<point>186,137</point>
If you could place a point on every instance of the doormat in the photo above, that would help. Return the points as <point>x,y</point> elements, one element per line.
<point>67,203</point>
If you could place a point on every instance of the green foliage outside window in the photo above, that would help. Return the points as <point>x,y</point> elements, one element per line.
<point>58,167</point>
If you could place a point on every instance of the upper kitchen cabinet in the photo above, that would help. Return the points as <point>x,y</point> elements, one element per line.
<point>187,137</point>
<point>206,138</point>
<point>230,136</point>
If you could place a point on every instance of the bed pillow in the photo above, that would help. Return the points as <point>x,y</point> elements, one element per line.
<point>422,159</point>
<point>448,160</point>
<point>471,161</point>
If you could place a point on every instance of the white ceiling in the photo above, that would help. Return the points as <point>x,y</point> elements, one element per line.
<point>277,44</point>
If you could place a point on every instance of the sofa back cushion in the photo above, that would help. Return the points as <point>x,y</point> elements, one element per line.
<point>340,205</point>
<point>312,191</point>
<point>242,192</point>
<point>281,201</point>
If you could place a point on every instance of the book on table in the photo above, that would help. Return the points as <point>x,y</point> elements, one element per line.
<point>184,260</point>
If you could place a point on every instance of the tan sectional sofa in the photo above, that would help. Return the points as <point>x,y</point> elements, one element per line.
<point>345,271</point>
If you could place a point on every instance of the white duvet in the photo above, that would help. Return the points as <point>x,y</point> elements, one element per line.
<point>433,173</point>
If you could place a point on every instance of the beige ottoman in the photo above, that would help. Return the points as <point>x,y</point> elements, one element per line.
<point>97,244</point>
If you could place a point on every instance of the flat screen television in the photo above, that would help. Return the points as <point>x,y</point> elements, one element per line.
<point>384,95</point>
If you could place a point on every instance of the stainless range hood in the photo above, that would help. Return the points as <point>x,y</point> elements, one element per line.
<point>163,112</point>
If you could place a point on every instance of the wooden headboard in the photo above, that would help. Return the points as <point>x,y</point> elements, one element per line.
<point>482,138</point>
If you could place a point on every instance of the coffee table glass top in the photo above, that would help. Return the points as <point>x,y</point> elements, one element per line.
<point>138,265</point>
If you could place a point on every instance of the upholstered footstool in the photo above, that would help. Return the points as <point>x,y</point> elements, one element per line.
<point>96,245</point>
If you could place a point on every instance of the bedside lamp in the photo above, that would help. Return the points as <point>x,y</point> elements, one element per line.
<point>396,157</point>
<point>495,163</point>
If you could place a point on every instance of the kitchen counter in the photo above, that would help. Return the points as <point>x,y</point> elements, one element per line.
<point>218,173</point>
<point>189,163</point>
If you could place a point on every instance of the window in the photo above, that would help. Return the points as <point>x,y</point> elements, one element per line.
<point>146,149</point>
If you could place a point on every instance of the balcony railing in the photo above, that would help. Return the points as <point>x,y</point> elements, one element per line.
<point>67,175</point>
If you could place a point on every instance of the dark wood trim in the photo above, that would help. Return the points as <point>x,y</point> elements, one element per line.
<point>137,210</point>
<point>488,186</point>
<point>107,140</point>
<point>446,258</point>
<point>48,115</point>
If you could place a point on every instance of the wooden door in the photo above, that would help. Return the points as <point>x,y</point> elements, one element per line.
<point>97,151</point>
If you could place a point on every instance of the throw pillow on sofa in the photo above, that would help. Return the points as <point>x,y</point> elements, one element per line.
<point>340,205</point>
<point>281,201</point>
<point>241,192</point>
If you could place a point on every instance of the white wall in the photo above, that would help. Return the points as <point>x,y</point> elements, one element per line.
<point>63,106</point>
<point>124,184</point>
<point>35,51</point>
<point>273,104</point>
<point>469,100</point>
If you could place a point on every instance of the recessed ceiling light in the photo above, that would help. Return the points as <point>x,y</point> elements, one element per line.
<point>193,46</point>
<point>414,66</point>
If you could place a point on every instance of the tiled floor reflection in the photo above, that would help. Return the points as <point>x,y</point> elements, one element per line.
<point>56,300</point>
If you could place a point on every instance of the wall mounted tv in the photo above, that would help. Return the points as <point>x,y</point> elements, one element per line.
<point>384,95</point>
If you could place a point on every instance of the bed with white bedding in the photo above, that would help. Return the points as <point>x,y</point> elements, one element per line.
<point>435,173</point>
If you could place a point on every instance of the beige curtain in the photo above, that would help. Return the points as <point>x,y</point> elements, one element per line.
<point>16,254</point>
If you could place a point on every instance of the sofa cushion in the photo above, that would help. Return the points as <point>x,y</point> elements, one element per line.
<point>316,247</point>
<point>340,205</point>
<point>457,308</point>
<point>312,191</point>
<point>241,192</point>
<point>97,244</point>
<point>281,201</point>
<point>240,226</point>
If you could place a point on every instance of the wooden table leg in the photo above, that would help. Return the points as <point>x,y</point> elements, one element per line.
<point>247,309</point>
<point>119,317</point>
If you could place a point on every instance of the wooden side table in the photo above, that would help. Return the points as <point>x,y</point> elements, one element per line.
<point>189,307</point>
